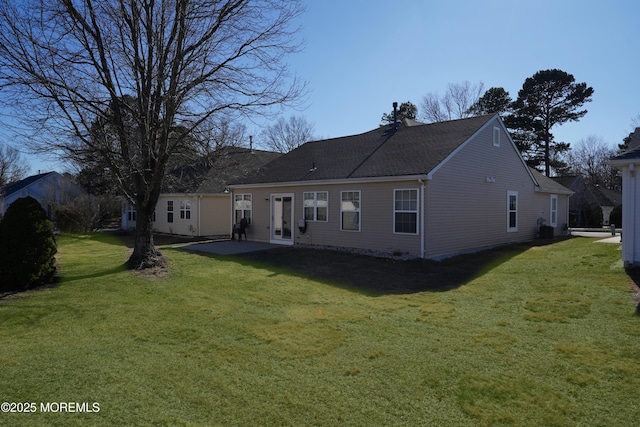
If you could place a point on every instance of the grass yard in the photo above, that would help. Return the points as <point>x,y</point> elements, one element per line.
<point>526,336</point>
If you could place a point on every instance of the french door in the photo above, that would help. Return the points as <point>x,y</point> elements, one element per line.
<point>282,219</point>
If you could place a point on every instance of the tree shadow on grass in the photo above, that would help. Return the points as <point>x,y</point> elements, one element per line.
<point>375,276</point>
<point>101,273</point>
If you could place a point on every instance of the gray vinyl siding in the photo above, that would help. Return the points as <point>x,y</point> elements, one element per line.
<point>376,217</point>
<point>465,211</point>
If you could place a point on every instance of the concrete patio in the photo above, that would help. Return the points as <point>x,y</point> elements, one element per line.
<point>229,247</point>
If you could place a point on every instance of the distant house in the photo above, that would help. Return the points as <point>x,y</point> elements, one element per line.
<point>629,163</point>
<point>423,190</point>
<point>49,189</point>
<point>591,205</point>
<point>196,200</point>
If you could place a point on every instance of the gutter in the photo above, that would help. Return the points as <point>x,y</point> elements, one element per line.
<point>331,181</point>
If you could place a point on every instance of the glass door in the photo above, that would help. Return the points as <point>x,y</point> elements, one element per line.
<point>282,218</point>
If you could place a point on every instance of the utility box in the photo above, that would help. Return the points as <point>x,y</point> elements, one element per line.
<point>546,232</point>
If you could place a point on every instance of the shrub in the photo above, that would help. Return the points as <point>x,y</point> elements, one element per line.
<point>27,246</point>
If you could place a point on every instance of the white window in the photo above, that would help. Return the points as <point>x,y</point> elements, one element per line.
<point>185,209</point>
<point>405,211</point>
<point>512,211</point>
<point>553,211</point>
<point>131,213</point>
<point>496,136</point>
<point>242,208</point>
<point>169,211</point>
<point>350,210</point>
<point>316,205</point>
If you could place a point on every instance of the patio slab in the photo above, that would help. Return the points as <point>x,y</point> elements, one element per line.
<point>229,247</point>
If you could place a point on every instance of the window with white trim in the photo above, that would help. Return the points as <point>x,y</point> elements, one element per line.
<point>496,136</point>
<point>185,209</point>
<point>316,204</point>
<point>242,208</point>
<point>350,210</point>
<point>512,211</point>
<point>405,211</point>
<point>553,210</point>
<point>131,213</point>
<point>169,211</point>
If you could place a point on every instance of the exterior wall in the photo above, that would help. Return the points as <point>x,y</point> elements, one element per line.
<point>215,215</point>
<point>467,199</point>
<point>630,217</point>
<point>376,217</point>
<point>209,216</point>
<point>50,190</point>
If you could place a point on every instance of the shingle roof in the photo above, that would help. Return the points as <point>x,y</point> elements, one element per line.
<point>214,175</point>
<point>412,149</point>
<point>633,152</point>
<point>23,183</point>
<point>550,185</point>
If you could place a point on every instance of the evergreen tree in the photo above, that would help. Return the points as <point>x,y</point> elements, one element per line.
<point>28,246</point>
<point>548,98</point>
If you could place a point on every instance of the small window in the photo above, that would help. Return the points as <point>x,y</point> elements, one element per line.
<point>405,211</point>
<point>170,211</point>
<point>316,206</point>
<point>242,208</point>
<point>512,211</point>
<point>496,136</point>
<point>350,211</point>
<point>553,211</point>
<point>185,209</point>
<point>131,213</point>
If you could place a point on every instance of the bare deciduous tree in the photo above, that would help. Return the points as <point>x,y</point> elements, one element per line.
<point>13,167</point>
<point>588,158</point>
<point>130,80</point>
<point>454,104</point>
<point>287,134</point>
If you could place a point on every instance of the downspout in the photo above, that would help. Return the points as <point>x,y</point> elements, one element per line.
<point>632,220</point>
<point>199,202</point>
<point>422,231</point>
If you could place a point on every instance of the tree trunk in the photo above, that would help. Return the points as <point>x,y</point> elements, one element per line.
<point>144,253</point>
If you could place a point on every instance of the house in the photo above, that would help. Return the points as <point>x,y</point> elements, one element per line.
<point>49,189</point>
<point>629,163</point>
<point>591,205</point>
<point>411,189</point>
<point>196,200</point>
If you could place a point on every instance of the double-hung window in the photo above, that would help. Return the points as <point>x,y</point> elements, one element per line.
<point>350,210</point>
<point>316,205</point>
<point>169,211</point>
<point>131,213</point>
<point>553,211</point>
<point>512,211</point>
<point>185,209</point>
<point>242,208</point>
<point>405,211</point>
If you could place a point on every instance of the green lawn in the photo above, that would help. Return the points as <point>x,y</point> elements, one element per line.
<point>543,336</point>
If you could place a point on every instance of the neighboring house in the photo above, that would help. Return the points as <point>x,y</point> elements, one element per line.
<point>629,163</point>
<point>196,200</point>
<point>49,189</point>
<point>423,190</point>
<point>591,205</point>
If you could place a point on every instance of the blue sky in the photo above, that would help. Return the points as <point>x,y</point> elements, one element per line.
<point>362,55</point>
